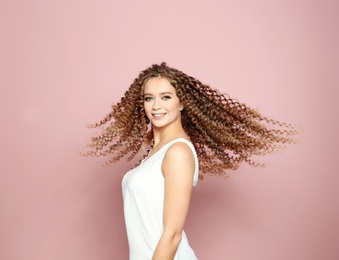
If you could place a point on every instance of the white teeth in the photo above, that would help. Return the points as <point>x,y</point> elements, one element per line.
<point>158,114</point>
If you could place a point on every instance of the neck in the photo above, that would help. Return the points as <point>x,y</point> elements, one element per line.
<point>163,136</point>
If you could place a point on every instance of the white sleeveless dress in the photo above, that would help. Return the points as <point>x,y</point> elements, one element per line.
<point>143,195</point>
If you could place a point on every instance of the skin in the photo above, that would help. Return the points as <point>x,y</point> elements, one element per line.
<point>163,109</point>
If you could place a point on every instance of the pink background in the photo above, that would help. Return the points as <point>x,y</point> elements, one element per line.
<point>63,63</point>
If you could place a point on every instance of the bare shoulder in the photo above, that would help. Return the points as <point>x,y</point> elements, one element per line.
<point>179,151</point>
<point>178,158</point>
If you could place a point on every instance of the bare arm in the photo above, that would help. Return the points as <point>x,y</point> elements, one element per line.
<point>178,169</point>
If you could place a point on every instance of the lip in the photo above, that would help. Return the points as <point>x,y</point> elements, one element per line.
<point>158,116</point>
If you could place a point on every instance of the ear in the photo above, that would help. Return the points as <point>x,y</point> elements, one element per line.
<point>181,107</point>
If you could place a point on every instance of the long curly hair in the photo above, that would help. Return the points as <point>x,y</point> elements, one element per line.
<point>224,132</point>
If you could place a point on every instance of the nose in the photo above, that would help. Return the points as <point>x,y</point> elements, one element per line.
<point>156,104</point>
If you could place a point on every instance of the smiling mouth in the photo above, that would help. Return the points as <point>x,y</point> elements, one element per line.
<point>159,115</point>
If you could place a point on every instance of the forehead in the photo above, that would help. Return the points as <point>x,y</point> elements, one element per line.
<point>158,85</point>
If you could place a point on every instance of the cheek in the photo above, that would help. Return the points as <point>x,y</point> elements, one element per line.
<point>176,106</point>
<point>146,107</point>
<point>146,112</point>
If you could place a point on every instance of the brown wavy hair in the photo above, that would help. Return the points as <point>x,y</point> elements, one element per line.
<point>224,132</point>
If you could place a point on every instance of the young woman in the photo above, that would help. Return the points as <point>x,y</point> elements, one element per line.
<point>189,130</point>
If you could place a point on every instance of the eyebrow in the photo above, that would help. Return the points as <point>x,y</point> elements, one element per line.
<point>162,93</point>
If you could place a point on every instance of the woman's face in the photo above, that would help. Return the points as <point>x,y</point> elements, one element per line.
<point>161,103</point>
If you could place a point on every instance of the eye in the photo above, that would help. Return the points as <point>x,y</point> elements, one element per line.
<point>166,97</point>
<point>148,98</point>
